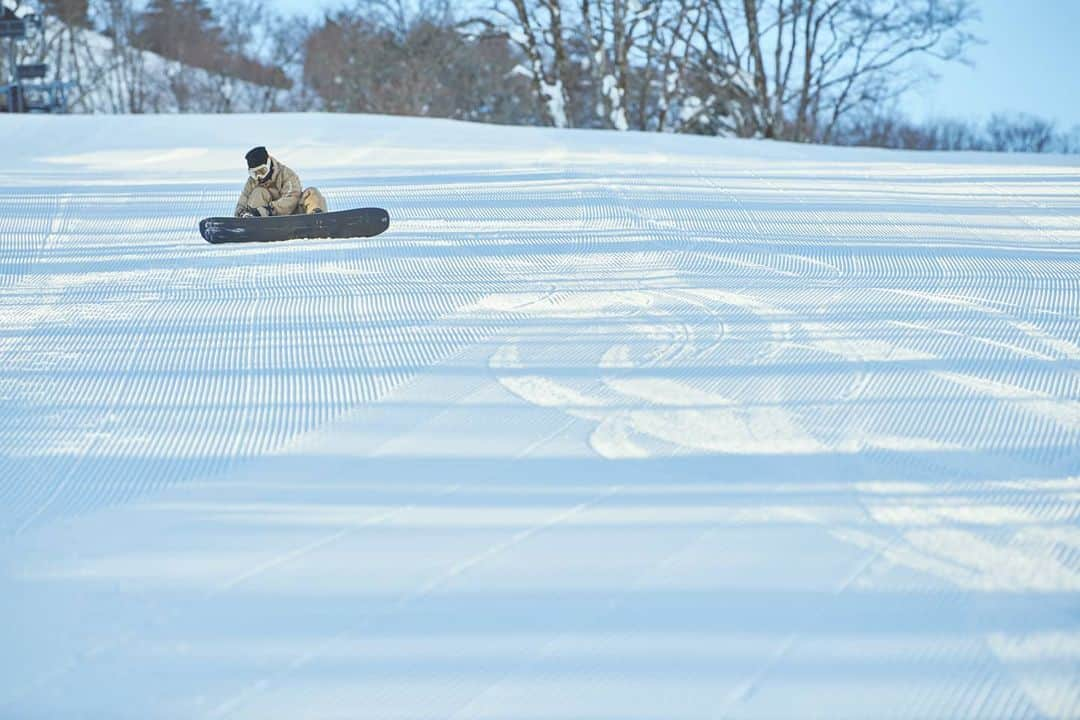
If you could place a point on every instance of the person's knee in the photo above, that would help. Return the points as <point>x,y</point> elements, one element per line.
<point>311,200</point>
<point>259,197</point>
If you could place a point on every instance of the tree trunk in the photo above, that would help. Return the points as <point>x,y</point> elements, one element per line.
<point>761,84</point>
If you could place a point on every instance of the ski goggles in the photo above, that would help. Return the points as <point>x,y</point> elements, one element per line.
<point>260,172</point>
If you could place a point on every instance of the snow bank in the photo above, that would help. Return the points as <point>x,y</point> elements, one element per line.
<point>607,425</point>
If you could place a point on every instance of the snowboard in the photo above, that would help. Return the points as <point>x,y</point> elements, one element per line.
<point>361,222</point>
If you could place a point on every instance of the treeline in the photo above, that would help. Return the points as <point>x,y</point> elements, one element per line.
<point>1019,132</point>
<point>374,58</point>
<point>798,70</point>
<point>786,69</point>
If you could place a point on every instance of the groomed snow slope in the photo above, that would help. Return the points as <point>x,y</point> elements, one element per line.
<point>606,426</point>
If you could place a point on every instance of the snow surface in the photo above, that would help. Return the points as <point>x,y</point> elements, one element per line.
<point>608,425</point>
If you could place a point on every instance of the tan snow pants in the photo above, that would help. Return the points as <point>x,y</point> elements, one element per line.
<point>311,200</point>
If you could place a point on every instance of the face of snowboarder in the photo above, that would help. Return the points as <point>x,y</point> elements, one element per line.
<point>260,172</point>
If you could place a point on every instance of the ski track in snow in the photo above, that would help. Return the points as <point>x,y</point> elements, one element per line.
<point>609,426</point>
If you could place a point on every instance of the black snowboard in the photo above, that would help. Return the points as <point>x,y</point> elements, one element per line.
<point>362,222</point>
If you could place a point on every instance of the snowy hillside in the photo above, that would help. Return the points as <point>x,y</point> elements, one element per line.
<point>106,77</point>
<point>605,426</point>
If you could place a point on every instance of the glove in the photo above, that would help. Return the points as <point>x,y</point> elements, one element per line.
<point>264,211</point>
<point>245,213</point>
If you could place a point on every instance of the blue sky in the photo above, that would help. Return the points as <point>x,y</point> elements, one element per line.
<point>1028,63</point>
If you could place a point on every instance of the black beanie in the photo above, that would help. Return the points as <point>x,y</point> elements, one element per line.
<point>257,156</point>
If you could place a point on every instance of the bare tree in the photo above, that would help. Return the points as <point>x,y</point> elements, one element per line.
<point>539,33</point>
<point>1069,142</point>
<point>376,57</point>
<point>888,127</point>
<point>266,50</point>
<point>610,31</point>
<point>829,57</point>
<point>608,63</point>
<point>672,38</point>
<point>1020,133</point>
<point>127,83</point>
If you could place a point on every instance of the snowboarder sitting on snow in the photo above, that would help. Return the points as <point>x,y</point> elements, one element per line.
<point>274,189</point>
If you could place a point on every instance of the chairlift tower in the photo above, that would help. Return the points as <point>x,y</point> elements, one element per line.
<point>26,89</point>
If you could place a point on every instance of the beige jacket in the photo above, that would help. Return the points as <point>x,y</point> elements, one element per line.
<point>283,187</point>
